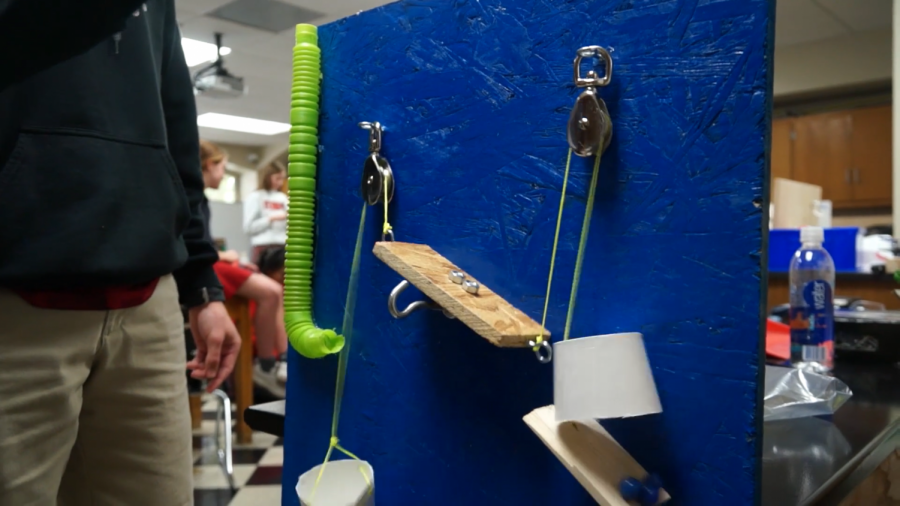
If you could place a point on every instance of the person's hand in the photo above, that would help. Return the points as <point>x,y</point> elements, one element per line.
<point>218,343</point>
<point>278,216</point>
<point>230,256</point>
<point>250,267</point>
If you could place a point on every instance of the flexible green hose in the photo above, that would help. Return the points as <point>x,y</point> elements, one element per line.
<point>305,337</point>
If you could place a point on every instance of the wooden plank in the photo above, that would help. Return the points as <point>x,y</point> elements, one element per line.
<point>239,310</point>
<point>593,457</point>
<point>488,314</point>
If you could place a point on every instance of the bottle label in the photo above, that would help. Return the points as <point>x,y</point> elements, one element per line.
<point>812,327</point>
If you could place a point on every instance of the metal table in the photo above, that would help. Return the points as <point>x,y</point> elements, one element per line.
<point>821,460</point>
<point>805,461</point>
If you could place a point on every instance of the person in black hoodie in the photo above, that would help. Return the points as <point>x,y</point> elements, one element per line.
<point>101,236</point>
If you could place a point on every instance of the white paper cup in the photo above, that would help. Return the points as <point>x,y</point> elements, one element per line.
<point>604,376</point>
<point>343,484</point>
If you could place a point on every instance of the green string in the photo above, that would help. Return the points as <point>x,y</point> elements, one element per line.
<point>562,200</point>
<point>344,357</point>
<point>582,244</point>
<point>347,326</point>
<point>579,260</point>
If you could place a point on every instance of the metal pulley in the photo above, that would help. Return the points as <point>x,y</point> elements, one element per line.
<point>377,171</point>
<point>589,129</point>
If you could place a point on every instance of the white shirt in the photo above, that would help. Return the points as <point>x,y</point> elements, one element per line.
<point>258,207</point>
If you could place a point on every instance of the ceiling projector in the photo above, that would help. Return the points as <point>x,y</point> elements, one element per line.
<point>214,81</point>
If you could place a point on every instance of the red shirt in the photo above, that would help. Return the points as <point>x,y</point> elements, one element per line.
<point>91,299</point>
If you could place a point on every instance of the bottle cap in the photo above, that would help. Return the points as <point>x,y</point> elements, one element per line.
<point>812,234</point>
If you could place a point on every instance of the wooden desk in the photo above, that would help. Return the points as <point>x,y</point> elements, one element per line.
<point>239,310</point>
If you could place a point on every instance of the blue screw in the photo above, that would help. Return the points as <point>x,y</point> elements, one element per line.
<point>649,495</point>
<point>630,488</point>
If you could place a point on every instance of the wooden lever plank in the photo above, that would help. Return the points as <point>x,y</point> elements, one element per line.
<point>488,314</point>
<point>596,460</point>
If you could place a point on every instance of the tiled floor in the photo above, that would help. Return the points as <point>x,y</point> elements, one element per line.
<point>257,468</point>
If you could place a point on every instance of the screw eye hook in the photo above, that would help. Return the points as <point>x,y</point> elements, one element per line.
<point>374,135</point>
<point>543,351</point>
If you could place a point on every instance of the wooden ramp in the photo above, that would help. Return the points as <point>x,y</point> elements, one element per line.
<point>488,314</point>
<point>590,454</point>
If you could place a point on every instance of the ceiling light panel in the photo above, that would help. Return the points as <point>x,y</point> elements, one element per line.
<point>241,124</point>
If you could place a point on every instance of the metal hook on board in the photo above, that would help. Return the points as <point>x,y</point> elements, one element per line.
<point>590,128</point>
<point>419,304</point>
<point>377,170</point>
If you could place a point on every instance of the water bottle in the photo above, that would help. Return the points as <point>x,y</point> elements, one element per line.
<point>812,303</point>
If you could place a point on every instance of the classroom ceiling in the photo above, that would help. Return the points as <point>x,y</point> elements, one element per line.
<point>801,21</point>
<point>262,54</point>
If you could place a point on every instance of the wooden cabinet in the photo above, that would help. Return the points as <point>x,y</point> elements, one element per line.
<point>847,153</point>
<point>822,154</point>
<point>871,148</point>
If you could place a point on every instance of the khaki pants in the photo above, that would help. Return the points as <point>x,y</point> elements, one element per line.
<point>94,406</point>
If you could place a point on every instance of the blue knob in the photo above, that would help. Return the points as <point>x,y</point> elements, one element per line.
<point>649,495</point>
<point>631,489</point>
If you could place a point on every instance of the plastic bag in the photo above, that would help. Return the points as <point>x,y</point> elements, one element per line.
<point>795,393</point>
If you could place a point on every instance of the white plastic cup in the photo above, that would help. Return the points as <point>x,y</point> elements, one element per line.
<point>606,376</point>
<point>342,484</point>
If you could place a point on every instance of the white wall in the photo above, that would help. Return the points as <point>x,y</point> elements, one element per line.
<point>248,183</point>
<point>227,224</point>
<point>272,152</point>
<point>228,219</point>
<point>849,60</point>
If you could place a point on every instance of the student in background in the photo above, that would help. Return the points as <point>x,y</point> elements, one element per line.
<point>265,211</point>
<point>270,367</point>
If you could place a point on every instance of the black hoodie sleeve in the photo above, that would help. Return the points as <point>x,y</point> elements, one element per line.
<point>184,146</point>
<point>37,34</point>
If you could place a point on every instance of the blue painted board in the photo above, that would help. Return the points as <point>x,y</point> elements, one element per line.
<point>475,95</point>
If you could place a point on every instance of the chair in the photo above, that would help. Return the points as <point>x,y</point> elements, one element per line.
<point>242,377</point>
<point>239,310</point>
<point>223,449</point>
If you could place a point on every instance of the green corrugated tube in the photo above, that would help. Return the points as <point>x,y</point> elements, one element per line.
<point>305,337</point>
